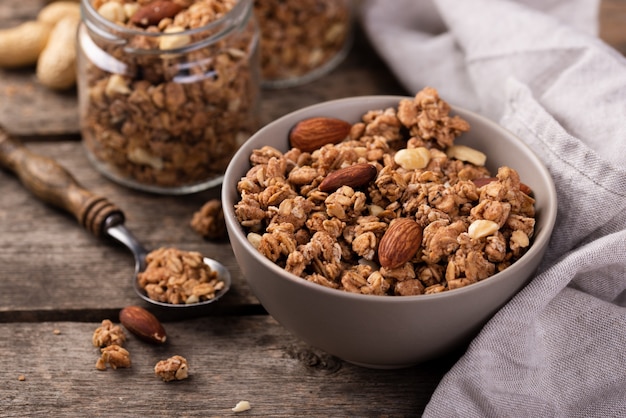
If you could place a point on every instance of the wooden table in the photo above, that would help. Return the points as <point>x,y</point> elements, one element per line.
<point>57,283</point>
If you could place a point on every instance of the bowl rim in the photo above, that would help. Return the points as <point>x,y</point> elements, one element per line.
<point>231,177</point>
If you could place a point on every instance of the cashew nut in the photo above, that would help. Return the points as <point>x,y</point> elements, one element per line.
<point>56,66</point>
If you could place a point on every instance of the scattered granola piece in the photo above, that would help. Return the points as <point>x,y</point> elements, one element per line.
<point>56,331</point>
<point>174,368</point>
<point>21,378</point>
<point>115,356</point>
<point>209,220</point>
<point>108,334</point>
<point>241,406</point>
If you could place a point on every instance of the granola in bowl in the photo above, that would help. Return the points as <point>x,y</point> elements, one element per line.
<point>467,223</point>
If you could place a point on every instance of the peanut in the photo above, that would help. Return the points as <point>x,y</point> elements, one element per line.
<point>482,228</point>
<point>20,46</point>
<point>174,41</point>
<point>520,239</point>
<point>113,11</point>
<point>412,158</point>
<point>56,66</point>
<point>467,154</point>
<point>54,12</point>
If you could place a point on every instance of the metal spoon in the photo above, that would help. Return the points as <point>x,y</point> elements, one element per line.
<point>53,184</point>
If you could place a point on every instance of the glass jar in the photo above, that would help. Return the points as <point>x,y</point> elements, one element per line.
<point>301,40</point>
<point>164,104</point>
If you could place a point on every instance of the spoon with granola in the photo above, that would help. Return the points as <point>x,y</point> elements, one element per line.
<point>166,277</point>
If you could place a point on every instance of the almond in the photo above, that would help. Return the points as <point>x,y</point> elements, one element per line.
<point>143,324</point>
<point>356,175</point>
<point>311,134</point>
<point>400,243</point>
<point>524,188</point>
<point>153,13</point>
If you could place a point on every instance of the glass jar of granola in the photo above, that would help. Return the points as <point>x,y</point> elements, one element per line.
<point>168,89</point>
<point>302,40</point>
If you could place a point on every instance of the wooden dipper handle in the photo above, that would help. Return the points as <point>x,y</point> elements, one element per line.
<point>52,183</point>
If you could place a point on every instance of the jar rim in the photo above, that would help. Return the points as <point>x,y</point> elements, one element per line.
<point>237,15</point>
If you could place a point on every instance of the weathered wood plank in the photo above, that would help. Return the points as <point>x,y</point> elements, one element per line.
<point>48,262</point>
<point>230,359</point>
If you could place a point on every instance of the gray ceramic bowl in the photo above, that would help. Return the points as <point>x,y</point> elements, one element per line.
<point>388,331</point>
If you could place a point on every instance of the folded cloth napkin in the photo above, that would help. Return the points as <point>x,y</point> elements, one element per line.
<point>558,348</point>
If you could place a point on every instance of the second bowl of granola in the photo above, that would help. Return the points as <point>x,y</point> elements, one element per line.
<point>387,230</point>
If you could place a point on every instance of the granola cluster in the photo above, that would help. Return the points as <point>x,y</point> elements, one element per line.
<point>108,334</point>
<point>301,36</point>
<point>173,368</point>
<point>160,106</point>
<point>178,277</point>
<point>474,225</point>
<point>209,221</point>
<point>110,338</point>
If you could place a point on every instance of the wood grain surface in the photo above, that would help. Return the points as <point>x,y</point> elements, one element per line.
<point>292,379</point>
<point>57,282</point>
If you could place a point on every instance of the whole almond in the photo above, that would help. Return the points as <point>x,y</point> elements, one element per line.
<point>143,324</point>
<point>313,133</point>
<point>400,243</point>
<point>356,175</point>
<point>153,13</point>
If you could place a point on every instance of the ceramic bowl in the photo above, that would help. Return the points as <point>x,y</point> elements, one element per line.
<point>388,331</point>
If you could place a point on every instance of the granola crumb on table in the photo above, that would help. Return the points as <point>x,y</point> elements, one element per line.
<point>115,356</point>
<point>173,368</point>
<point>110,338</point>
<point>209,221</point>
<point>474,224</point>
<point>108,334</point>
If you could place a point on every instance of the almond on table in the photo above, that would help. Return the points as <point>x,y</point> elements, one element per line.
<point>143,324</point>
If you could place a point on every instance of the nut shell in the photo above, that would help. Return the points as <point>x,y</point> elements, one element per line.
<point>400,243</point>
<point>356,175</point>
<point>313,133</point>
<point>143,324</point>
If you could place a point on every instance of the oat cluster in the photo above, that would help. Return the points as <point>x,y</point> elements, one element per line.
<point>163,116</point>
<point>178,277</point>
<point>173,368</point>
<point>110,338</point>
<point>474,225</point>
<point>209,221</point>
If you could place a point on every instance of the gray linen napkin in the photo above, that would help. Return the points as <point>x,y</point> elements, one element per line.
<point>558,348</point>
